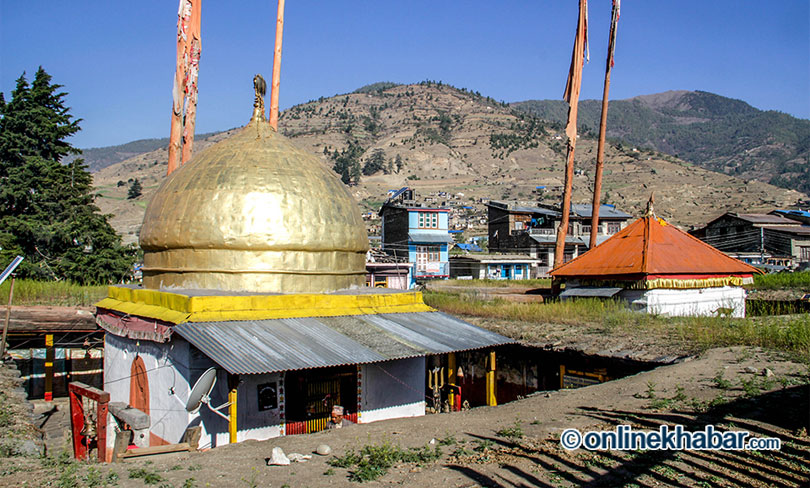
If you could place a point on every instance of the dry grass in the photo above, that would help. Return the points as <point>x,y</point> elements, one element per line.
<point>55,293</point>
<point>784,333</point>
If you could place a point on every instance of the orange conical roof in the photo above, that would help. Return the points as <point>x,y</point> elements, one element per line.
<point>651,247</point>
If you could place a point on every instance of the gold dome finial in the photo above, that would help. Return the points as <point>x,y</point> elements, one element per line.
<point>260,88</point>
<point>254,213</point>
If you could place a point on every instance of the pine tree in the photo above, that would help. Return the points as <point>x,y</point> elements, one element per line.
<point>375,162</point>
<point>134,190</point>
<point>347,162</point>
<point>47,212</point>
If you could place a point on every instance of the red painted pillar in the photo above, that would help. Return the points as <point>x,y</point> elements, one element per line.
<point>77,424</point>
<point>101,431</point>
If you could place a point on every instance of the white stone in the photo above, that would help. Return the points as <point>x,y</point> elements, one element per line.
<point>323,450</point>
<point>298,458</point>
<point>278,458</point>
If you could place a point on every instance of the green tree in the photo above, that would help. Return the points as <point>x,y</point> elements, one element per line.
<point>398,163</point>
<point>347,162</point>
<point>375,163</point>
<point>47,212</point>
<point>135,190</point>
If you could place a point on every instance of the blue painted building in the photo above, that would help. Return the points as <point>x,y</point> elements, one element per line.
<point>418,233</point>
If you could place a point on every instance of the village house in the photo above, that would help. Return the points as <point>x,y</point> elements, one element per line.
<point>657,268</point>
<point>384,270</point>
<point>418,233</point>
<point>516,229</point>
<point>265,295</point>
<point>781,234</point>
<point>491,266</point>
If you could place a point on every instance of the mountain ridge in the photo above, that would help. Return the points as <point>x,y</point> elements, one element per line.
<point>715,132</point>
<point>460,142</point>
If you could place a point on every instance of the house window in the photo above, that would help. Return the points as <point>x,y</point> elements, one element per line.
<point>804,253</point>
<point>570,228</point>
<point>428,220</point>
<point>427,257</point>
<point>586,229</point>
<point>613,227</point>
<point>518,225</point>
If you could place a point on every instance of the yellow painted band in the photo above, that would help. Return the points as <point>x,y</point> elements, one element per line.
<point>177,308</point>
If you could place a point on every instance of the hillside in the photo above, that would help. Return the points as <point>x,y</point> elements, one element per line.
<point>714,132</point>
<point>456,141</point>
<point>98,158</point>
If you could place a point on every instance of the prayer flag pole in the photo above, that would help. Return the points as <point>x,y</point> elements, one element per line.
<point>600,151</point>
<point>276,82</point>
<point>184,92</point>
<point>571,96</point>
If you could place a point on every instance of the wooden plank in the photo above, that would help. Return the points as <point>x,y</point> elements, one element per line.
<point>88,391</point>
<point>122,440</point>
<point>192,437</point>
<point>52,319</point>
<point>152,450</point>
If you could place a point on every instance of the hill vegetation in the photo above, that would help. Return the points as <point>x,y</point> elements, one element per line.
<point>458,147</point>
<point>711,131</point>
<point>98,158</point>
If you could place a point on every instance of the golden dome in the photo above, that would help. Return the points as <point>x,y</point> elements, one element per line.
<point>253,213</point>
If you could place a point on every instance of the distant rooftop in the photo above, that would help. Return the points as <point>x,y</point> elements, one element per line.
<point>584,210</point>
<point>766,219</point>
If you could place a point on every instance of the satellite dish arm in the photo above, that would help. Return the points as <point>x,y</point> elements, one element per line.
<point>216,410</point>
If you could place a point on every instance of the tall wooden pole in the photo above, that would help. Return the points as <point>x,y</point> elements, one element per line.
<point>276,82</point>
<point>571,95</point>
<point>178,89</point>
<point>600,151</point>
<point>193,49</point>
<point>184,92</point>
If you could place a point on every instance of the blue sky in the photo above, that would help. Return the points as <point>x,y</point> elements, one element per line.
<point>118,64</point>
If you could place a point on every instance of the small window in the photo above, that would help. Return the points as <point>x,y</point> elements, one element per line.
<point>613,227</point>
<point>428,220</point>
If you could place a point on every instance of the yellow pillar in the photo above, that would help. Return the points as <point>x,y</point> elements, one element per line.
<point>49,359</point>
<point>232,396</point>
<point>451,379</point>
<point>490,388</point>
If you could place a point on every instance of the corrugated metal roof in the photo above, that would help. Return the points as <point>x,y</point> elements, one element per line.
<point>605,211</point>
<point>266,346</point>
<point>589,292</point>
<point>798,230</point>
<point>551,239</point>
<point>536,210</point>
<point>430,237</point>
<point>766,219</point>
<point>652,246</point>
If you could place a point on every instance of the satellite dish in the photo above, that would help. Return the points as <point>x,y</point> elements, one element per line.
<point>201,392</point>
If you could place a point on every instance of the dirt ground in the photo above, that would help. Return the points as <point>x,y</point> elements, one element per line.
<point>517,444</point>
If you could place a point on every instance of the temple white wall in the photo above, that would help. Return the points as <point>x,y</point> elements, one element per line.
<point>167,367</point>
<point>393,389</point>
<point>726,300</point>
